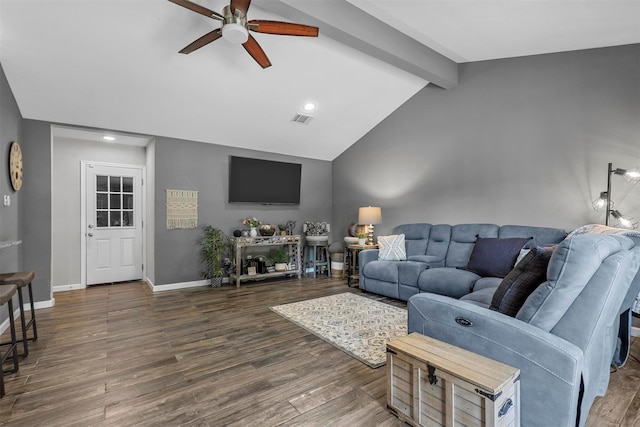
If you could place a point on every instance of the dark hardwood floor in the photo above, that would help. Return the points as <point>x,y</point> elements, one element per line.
<point>119,355</point>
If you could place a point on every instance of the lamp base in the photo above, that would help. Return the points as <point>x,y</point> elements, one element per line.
<point>370,235</point>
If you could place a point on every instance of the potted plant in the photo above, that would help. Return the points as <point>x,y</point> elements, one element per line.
<point>280,257</point>
<point>213,244</point>
<point>362,238</point>
<point>269,264</point>
<point>282,228</point>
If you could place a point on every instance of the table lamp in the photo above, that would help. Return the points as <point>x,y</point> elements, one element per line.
<point>369,216</point>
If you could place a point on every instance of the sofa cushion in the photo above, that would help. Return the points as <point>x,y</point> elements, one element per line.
<point>416,237</point>
<point>495,257</point>
<point>525,277</point>
<point>487,282</point>
<point>391,248</point>
<point>541,236</point>
<point>430,260</point>
<point>481,298</point>
<point>384,271</point>
<point>463,239</point>
<point>451,282</point>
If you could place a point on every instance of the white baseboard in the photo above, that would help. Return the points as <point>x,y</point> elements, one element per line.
<point>181,285</point>
<point>27,307</point>
<point>64,288</point>
<point>154,288</point>
<point>40,304</point>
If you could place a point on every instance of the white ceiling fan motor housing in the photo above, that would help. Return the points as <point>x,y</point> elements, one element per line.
<point>234,28</point>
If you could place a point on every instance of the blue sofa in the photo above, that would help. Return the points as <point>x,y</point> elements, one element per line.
<point>564,337</point>
<point>437,256</point>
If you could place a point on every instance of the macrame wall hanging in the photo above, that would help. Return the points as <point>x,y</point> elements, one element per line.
<point>182,208</point>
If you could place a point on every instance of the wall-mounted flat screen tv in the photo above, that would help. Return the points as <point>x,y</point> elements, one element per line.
<point>264,181</point>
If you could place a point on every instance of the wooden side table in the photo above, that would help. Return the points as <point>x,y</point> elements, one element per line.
<point>352,261</point>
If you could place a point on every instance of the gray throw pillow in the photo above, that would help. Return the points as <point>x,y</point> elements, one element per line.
<point>526,276</point>
<point>492,257</point>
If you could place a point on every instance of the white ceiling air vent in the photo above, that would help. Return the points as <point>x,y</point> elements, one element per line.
<point>301,118</point>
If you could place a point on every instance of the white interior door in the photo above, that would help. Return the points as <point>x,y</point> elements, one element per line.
<point>114,224</point>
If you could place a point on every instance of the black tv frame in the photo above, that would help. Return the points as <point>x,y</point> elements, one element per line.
<point>266,182</point>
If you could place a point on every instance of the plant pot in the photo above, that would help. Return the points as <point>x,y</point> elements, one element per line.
<point>283,233</point>
<point>216,282</point>
<point>253,232</point>
<point>362,241</point>
<point>281,266</point>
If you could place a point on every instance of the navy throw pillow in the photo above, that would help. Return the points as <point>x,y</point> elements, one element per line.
<point>527,275</point>
<point>492,257</point>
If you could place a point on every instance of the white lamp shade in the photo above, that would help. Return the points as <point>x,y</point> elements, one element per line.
<point>370,215</point>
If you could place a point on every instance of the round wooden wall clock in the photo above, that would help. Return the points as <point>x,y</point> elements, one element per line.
<point>15,166</point>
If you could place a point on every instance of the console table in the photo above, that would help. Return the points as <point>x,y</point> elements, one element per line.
<point>292,242</point>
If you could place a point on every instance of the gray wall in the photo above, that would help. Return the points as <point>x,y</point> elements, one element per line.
<point>66,209</point>
<point>9,132</point>
<point>35,206</point>
<point>205,167</point>
<point>519,141</point>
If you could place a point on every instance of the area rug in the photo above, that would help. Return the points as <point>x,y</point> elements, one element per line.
<point>357,325</point>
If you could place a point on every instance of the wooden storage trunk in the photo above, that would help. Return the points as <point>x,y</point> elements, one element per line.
<point>431,383</point>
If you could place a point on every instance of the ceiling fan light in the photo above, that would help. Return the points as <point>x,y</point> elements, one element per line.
<point>235,33</point>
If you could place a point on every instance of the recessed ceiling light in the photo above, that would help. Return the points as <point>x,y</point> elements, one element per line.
<point>108,138</point>
<point>309,106</point>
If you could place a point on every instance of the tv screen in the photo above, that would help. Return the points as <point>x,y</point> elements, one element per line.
<point>264,181</point>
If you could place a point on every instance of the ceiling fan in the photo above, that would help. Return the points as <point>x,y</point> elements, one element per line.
<point>235,28</point>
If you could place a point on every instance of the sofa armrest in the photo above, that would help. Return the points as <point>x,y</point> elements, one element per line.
<point>365,256</point>
<point>550,367</point>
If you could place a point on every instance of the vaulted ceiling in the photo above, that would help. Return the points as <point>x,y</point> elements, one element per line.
<point>114,64</point>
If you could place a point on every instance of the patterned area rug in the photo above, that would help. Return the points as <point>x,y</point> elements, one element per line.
<point>357,325</point>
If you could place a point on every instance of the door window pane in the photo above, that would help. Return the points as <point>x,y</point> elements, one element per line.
<point>127,201</point>
<point>127,184</point>
<point>101,183</point>
<point>114,184</point>
<point>114,201</point>
<point>127,218</point>
<point>102,201</point>
<point>114,219</point>
<point>102,219</point>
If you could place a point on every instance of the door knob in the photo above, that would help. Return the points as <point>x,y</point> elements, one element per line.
<point>90,234</point>
<point>90,225</point>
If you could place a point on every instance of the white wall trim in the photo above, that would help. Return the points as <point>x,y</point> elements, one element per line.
<point>64,288</point>
<point>41,304</point>
<point>27,307</point>
<point>5,325</point>
<point>181,285</point>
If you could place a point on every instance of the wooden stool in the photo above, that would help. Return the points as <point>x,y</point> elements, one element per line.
<point>6,297</point>
<point>320,256</point>
<point>21,280</point>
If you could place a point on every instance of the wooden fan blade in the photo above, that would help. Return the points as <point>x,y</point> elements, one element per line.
<point>283,28</point>
<point>199,9</point>
<point>254,49</point>
<point>243,5</point>
<point>202,41</point>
